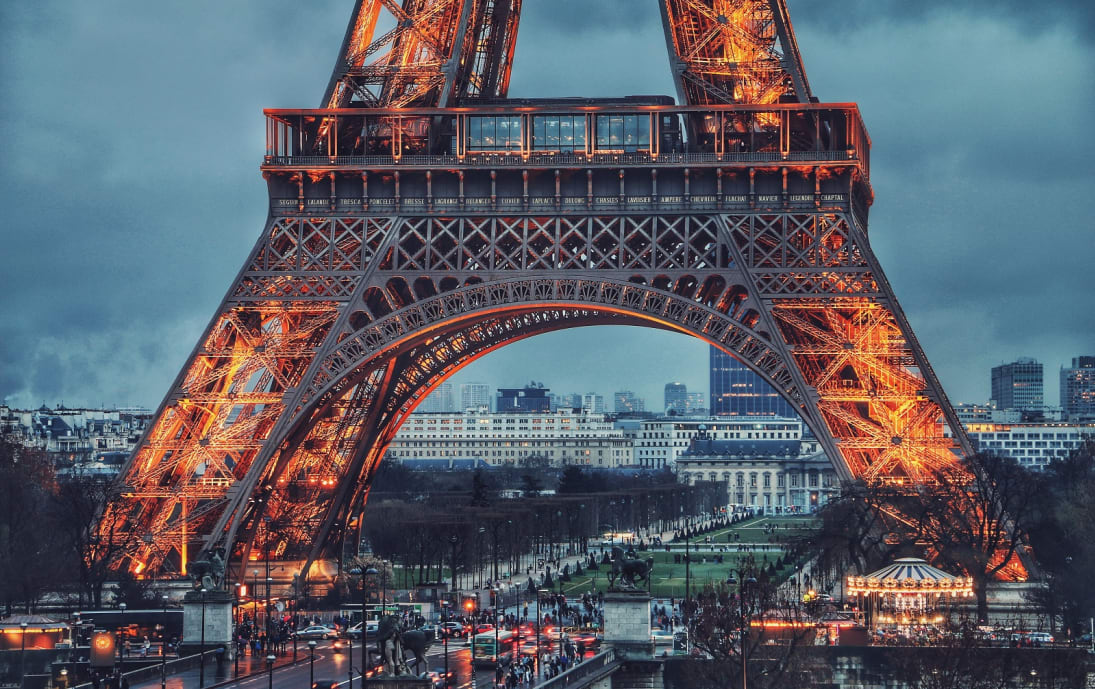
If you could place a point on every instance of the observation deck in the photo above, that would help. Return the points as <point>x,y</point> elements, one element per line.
<point>571,155</point>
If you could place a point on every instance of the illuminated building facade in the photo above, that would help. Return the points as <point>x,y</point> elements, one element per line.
<point>773,476</point>
<point>627,402</point>
<point>419,220</point>
<point>556,439</point>
<point>1018,385</point>
<point>737,391</point>
<point>1034,445</point>
<point>659,442</point>
<point>1078,389</point>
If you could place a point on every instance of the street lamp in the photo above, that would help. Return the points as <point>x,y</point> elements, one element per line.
<point>163,645</point>
<point>312,663</point>
<point>270,670</point>
<point>370,573</point>
<point>269,581</point>
<point>539,594</point>
<point>744,581</point>
<point>121,628</point>
<point>22,649</point>
<point>452,541</point>
<point>479,555</point>
<point>201,653</point>
<point>236,631</point>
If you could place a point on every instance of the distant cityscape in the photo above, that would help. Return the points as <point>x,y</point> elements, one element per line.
<point>743,425</point>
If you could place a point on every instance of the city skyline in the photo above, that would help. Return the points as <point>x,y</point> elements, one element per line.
<point>180,180</point>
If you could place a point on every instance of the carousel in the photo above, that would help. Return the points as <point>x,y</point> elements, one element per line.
<point>908,595</point>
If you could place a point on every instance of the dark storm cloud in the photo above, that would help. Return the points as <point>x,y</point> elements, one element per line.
<point>132,135</point>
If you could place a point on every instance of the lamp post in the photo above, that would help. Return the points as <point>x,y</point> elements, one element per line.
<point>741,584</point>
<point>22,649</point>
<point>121,632</point>
<point>687,567</point>
<point>452,542</point>
<point>497,620</point>
<point>479,555</point>
<point>445,643</point>
<point>539,594</point>
<point>270,670</point>
<point>163,645</point>
<point>312,663</point>
<point>266,606</point>
<point>236,632</point>
<point>255,601</point>
<point>350,659</point>
<point>201,653</point>
<point>370,573</point>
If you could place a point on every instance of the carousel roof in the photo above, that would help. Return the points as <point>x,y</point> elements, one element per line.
<point>913,575</point>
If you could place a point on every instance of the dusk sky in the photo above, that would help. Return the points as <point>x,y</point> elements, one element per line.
<point>133,131</point>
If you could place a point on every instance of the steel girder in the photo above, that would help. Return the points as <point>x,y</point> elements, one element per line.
<point>437,53</point>
<point>339,325</point>
<point>733,51</point>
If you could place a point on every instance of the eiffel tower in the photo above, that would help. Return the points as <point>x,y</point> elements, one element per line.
<point>420,220</point>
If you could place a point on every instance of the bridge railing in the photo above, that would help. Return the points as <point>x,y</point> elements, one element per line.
<point>596,668</point>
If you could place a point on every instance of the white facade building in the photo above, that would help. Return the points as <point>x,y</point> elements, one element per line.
<point>1034,445</point>
<point>660,441</point>
<point>558,438</point>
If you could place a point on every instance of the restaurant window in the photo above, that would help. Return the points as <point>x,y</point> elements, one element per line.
<point>494,133</point>
<point>623,133</point>
<point>559,133</point>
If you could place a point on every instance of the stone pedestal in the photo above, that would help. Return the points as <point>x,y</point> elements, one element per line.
<point>218,621</point>
<point>627,624</point>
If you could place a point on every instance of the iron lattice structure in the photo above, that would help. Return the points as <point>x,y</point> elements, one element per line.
<point>408,237</point>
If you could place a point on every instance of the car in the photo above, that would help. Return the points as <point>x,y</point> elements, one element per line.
<point>315,632</point>
<point>1039,638</point>
<point>354,632</point>
<point>483,628</point>
<point>440,679</point>
<point>453,629</point>
<point>325,684</point>
<point>432,629</point>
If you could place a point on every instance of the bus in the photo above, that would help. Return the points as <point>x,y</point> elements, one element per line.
<point>484,652</point>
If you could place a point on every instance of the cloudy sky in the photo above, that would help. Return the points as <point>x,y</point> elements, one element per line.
<point>132,133</point>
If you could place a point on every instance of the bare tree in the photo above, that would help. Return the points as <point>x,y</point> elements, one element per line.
<point>977,520</point>
<point>749,628</point>
<point>90,535</point>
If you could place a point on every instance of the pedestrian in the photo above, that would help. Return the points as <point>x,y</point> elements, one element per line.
<point>145,645</point>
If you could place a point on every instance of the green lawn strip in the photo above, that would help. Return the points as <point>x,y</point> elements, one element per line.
<point>668,578</point>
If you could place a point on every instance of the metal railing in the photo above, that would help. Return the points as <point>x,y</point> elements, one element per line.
<point>670,202</point>
<point>563,160</point>
<point>596,668</point>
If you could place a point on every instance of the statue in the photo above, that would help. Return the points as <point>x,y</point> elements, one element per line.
<point>627,570</point>
<point>208,573</point>
<point>389,645</point>
<point>393,643</point>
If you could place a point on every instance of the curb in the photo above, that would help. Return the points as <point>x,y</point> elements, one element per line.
<point>223,683</point>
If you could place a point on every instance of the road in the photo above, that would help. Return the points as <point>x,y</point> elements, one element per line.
<point>329,665</point>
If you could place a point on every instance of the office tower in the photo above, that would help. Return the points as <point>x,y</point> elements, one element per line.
<point>676,398</point>
<point>474,396</point>
<point>1078,389</point>
<point>1018,385</point>
<point>737,391</point>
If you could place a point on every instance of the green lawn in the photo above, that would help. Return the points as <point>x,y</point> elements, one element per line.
<point>752,531</point>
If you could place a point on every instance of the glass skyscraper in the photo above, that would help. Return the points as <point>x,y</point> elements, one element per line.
<point>737,391</point>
